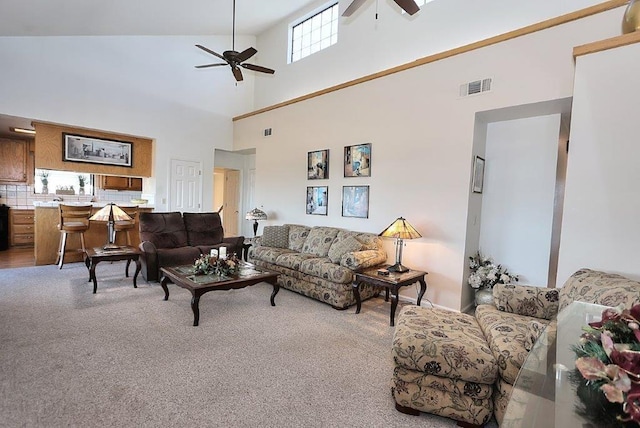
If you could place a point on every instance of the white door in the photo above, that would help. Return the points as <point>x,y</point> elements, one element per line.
<point>186,186</point>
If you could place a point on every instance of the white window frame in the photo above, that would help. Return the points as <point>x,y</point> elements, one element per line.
<point>307,17</point>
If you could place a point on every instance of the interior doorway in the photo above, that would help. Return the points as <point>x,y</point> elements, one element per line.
<point>226,198</point>
<point>185,186</point>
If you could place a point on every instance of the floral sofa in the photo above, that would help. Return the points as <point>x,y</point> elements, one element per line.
<point>509,328</point>
<point>318,262</point>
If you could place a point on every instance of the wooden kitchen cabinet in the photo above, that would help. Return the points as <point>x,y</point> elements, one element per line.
<point>13,160</point>
<point>113,182</point>
<point>22,227</point>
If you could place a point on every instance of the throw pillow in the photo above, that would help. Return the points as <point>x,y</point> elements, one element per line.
<point>275,236</point>
<point>319,241</point>
<point>342,247</point>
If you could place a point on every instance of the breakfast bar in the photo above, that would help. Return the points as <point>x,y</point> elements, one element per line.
<point>47,236</point>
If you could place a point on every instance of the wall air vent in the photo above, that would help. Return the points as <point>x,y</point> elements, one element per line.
<point>475,87</point>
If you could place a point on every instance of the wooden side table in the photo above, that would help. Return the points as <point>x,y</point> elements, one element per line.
<point>93,256</point>
<point>392,283</point>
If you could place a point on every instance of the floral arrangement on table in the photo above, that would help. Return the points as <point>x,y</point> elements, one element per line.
<point>608,368</point>
<point>206,265</point>
<point>485,274</point>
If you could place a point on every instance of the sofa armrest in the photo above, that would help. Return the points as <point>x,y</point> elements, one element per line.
<point>149,260</point>
<point>363,259</point>
<point>234,243</point>
<point>528,300</point>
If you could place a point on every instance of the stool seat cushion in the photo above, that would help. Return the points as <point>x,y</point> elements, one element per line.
<point>443,343</point>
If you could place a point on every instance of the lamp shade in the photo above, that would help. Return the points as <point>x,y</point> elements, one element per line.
<point>110,212</point>
<point>256,214</point>
<point>400,229</point>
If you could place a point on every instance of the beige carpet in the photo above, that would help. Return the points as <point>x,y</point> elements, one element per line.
<point>125,358</point>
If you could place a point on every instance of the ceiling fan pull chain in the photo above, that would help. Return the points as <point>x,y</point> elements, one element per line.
<point>376,10</point>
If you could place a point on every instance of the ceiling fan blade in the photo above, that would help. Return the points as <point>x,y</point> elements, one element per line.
<point>355,5</point>
<point>211,52</point>
<point>257,68</point>
<point>211,65</point>
<point>237,73</point>
<point>246,54</point>
<point>409,6</point>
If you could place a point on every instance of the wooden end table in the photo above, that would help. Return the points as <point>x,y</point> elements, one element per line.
<point>392,282</point>
<point>183,276</point>
<point>93,256</point>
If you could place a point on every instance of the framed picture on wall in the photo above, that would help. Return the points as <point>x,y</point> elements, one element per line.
<point>478,174</point>
<point>318,165</point>
<point>81,148</point>
<point>355,201</point>
<point>357,160</point>
<point>317,200</point>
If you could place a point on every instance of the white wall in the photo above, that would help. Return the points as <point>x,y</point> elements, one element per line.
<point>518,195</point>
<point>144,86</point>
<point>366,45</point>
<point>422,135</point>
<point>600,227</point>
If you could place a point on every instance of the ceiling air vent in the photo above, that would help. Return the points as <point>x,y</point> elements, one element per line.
<point>475,87</point>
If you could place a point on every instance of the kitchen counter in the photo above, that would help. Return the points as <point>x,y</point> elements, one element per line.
<point>47,235</point>
<point>54,204</point>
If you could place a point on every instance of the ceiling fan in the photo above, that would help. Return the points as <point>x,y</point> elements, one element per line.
<point>409,6</point>
<point>233,58</point>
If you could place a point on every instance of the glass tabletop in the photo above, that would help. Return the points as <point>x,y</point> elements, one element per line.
<point>543,395</point>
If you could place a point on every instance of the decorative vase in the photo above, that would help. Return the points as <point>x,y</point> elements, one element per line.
<point>45,189</point>
<point>484,296</point>
<point>631,19</point>
<point>81,191</point>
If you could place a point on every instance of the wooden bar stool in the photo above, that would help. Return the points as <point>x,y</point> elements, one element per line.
<point>73,219</point>
<point>127,225</point>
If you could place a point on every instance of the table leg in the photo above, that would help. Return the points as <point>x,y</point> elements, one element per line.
<point>276,288</point>
<point>126,269</point>
<point>386,294</point>
<point>92,275</point>
<point>87,263</point>
<point>394,305</point>
<point>356,293</point>
<point>163,284</point>
<point>135,275</point>
<point>423,289</point>
<point>195,307</point>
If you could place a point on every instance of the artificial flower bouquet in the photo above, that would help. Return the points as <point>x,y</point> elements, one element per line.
<point>485,274</point>
<point>609,368</point>
<point>206,265</point>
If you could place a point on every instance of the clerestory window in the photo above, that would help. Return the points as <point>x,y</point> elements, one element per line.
<point>314,33</point>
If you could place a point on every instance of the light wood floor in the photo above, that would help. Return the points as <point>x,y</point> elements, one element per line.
<point>17,257</point>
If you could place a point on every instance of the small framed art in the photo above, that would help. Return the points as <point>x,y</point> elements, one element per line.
<point>357,160</point>
<point>317,200</point>
<point>318,165</point>
<point>478,174</point>
<point>355,201</point>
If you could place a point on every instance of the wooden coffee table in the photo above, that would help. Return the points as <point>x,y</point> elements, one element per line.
<point>183,276</point>
<point>93,256</point>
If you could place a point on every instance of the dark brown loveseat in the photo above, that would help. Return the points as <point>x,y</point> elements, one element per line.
<point>172,239</point>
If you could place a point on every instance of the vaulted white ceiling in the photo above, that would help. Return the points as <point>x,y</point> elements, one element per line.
<point>140,17</point>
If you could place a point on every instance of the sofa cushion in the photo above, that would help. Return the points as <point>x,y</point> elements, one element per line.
<point>292,260</point>
<point>323,268</point>
<point>177,256</point>
<point>203,228</point>
<point>319,241</point>
<point>275,236</point>
<point>539,302</point>
<point>341,247</point>
<point>268,254</point>
<point>297,235</point>
<point>163,230</point>
<point>443,343</point>
<point>602,288</point>
<point>506,335</point>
